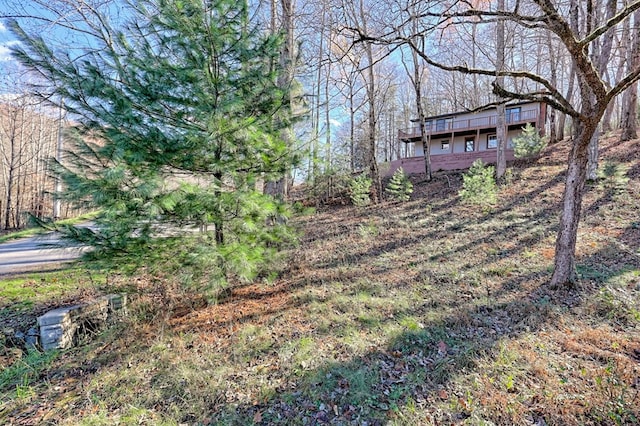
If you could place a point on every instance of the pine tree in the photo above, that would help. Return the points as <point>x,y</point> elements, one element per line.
<point>179,116</point>
<point>479,185</point>
<point>529,143</point>
<point>360,188</point>
<point>399,187</point>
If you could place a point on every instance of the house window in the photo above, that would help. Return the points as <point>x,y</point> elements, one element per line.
<point>469,145</point>
<point>492,141</point>
<point>443,124</point>
<point>444,145</point>
<point>512,115</point>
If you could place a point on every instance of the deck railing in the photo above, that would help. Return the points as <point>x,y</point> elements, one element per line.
<point>459,125</point>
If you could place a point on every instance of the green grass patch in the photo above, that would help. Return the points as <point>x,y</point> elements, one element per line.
<point>19,378</point>
<point>38,287</point>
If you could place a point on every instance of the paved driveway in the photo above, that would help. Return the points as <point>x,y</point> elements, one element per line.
<point>35,253</point>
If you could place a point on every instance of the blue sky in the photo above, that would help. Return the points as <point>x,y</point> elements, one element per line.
<point>5,41</point>
<point>7,63</point>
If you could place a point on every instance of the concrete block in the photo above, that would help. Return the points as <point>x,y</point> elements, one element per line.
<point>57,316</point>
<point>57,336</point>
<point>58,328</point>
<point>50,336</point>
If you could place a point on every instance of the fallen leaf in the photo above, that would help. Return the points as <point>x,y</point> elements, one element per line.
<point>442,348</point>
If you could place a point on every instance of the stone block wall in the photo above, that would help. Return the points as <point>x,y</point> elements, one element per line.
<point>60,328</point>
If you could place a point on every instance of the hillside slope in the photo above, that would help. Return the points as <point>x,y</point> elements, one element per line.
<point>425,312</point>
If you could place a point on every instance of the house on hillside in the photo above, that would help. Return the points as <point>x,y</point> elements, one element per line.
<point>458,139</point>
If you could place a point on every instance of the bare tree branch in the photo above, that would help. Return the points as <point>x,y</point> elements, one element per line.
<point>624,13</point>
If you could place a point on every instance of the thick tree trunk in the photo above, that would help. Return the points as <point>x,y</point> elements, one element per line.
<point>280,189</point>
<point>565,265</point>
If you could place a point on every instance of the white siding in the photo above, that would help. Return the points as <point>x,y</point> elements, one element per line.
<point>458,144</point>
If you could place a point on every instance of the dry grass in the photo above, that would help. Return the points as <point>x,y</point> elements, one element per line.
<point>427,312</point>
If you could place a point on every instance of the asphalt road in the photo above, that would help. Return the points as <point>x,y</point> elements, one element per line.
<point>35,253</point>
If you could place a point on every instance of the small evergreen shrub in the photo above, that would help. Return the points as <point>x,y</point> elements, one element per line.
<point>359,189</point>
<point>479,185</point>
<point>400,187</point>
<point>529,143</point>
<point>613,177</point>
<point>509,176</point>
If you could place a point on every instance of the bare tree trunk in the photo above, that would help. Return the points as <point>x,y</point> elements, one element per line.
<point>426,141</point>
<point>313,172</point>
<point>607,118</point>
<point>476,92</point>
<point>565,267</point>
<point>8,204</point>
<point>376,187</point>
<point>13,161</point>
<point>553,70</point>
<point>574,13</point>
<point>327,117</point>
<point>417,88</point>
<point>218,222</point>
<point>58,181</point>
<point>372,163</point>
<point>592,154</point>
<point>280,188</point>
<point>628,120</point>
<point>501,160</point>
<point>563,117</point>
<point>600,56</point>
<point>352,129</point>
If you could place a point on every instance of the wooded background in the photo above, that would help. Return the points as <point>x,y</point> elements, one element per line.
<point>360,70</point>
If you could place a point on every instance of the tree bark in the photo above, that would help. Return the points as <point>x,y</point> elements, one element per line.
<point>565,266</point>
<point>280,188</point>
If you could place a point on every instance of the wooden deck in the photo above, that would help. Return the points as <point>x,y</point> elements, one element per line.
<point>467,125</point>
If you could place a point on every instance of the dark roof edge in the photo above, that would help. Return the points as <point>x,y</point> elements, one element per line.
<point>481,109</point>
